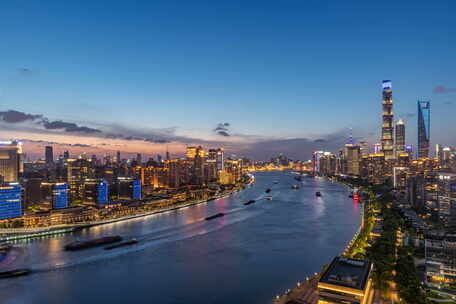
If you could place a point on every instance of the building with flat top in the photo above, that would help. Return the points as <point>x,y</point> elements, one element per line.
<point>10,201</point>
<point>346,281</point>
<point>10,161</point>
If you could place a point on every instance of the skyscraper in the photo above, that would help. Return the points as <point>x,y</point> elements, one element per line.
<point>60,195</point>
<point>10,201</point>
<point>364,148</point>
<point>118,157</point>
<point>400,137</point>
<point>387,125</point>
<point>139,159</point>
<point>10,161</point>
<point>424,121</point>
<point>352,157</point>
<point>49,155</point>
<point>377,148</point>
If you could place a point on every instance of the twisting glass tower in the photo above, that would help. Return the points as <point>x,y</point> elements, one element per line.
<point>387,126</point>
<point>424,121</point>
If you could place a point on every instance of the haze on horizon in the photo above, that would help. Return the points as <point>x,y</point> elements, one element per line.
<point>253,77</point>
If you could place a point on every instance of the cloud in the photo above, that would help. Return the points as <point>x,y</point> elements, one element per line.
<point>46,142</point>
<point>223,133</point>
<point>67,126</point>
<point>80,145</point>
<point>12,116</point>
<point>222,129</point>
<point>440,89</point>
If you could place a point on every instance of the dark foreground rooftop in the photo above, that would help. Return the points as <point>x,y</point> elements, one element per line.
<point>347,272</point>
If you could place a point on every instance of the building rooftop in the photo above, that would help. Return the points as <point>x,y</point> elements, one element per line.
<point>347,272</point>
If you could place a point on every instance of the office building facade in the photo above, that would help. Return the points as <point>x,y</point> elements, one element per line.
<point>10,161</point>
<point>10,201</point>
<point>49,155</point>
<point>399,138</point>
<point>424,121</point>
<point>387,120</point>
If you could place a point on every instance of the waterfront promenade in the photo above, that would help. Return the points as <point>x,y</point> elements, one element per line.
<point>8,234</point>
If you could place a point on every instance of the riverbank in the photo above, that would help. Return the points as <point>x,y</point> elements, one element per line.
<point>13,234</point>
<point>306,291</point>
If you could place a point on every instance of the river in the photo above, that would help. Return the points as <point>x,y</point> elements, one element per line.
<point>249,255</point>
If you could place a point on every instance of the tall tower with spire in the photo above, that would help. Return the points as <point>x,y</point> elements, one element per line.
<point>387,121</point>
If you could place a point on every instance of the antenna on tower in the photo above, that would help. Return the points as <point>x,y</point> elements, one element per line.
<point>350,137</point>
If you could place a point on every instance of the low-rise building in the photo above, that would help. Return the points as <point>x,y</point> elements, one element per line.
<point>345,281</point>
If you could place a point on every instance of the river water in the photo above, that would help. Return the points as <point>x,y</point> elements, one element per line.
<point>250,255</point>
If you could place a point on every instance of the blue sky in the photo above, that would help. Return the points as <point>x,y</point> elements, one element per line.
<point>272,69</point>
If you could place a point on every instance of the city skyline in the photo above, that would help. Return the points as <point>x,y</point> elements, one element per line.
<point>142,85</point>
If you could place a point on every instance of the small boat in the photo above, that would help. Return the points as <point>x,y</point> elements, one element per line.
<point>14,273</point>
<point>5,248</point>
<point>214,216</point>
<point>317,193</point>
<point>350,195</point>
<point>276,182</point>
<point>298,178</point>
<point>268,190</point>
<point>249,202</point>
<point>295,187</point>
<point>269,197</point>
<point>122,244</point>
<point>92,243</point>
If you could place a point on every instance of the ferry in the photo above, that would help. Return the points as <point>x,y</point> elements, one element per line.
<point>268,190</point>
<point>317,193</point>
<point>249,202</point>
<point>269,197</point>
<point>14,273</point>
<point>214,216</point>
<point>92,243</point>
<point>122,244</point>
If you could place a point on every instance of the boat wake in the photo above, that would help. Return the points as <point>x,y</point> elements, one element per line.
<point>156,237</point>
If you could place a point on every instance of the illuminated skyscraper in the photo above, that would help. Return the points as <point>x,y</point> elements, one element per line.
<point>218,156</point>
<point>191,152</point>
<point>49,155</point>
<point>316,161</point>
<point>424,121</point>
<point>400,137</point>
<point>352,157</point>
<point>387,125</point>
<point>10,201</point>
<point>364,148</point>
<point>10,161</point>
<point>377,148</point>
<point>96,191</point>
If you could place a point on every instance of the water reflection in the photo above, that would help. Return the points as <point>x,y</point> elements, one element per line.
<point>248,255</point>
